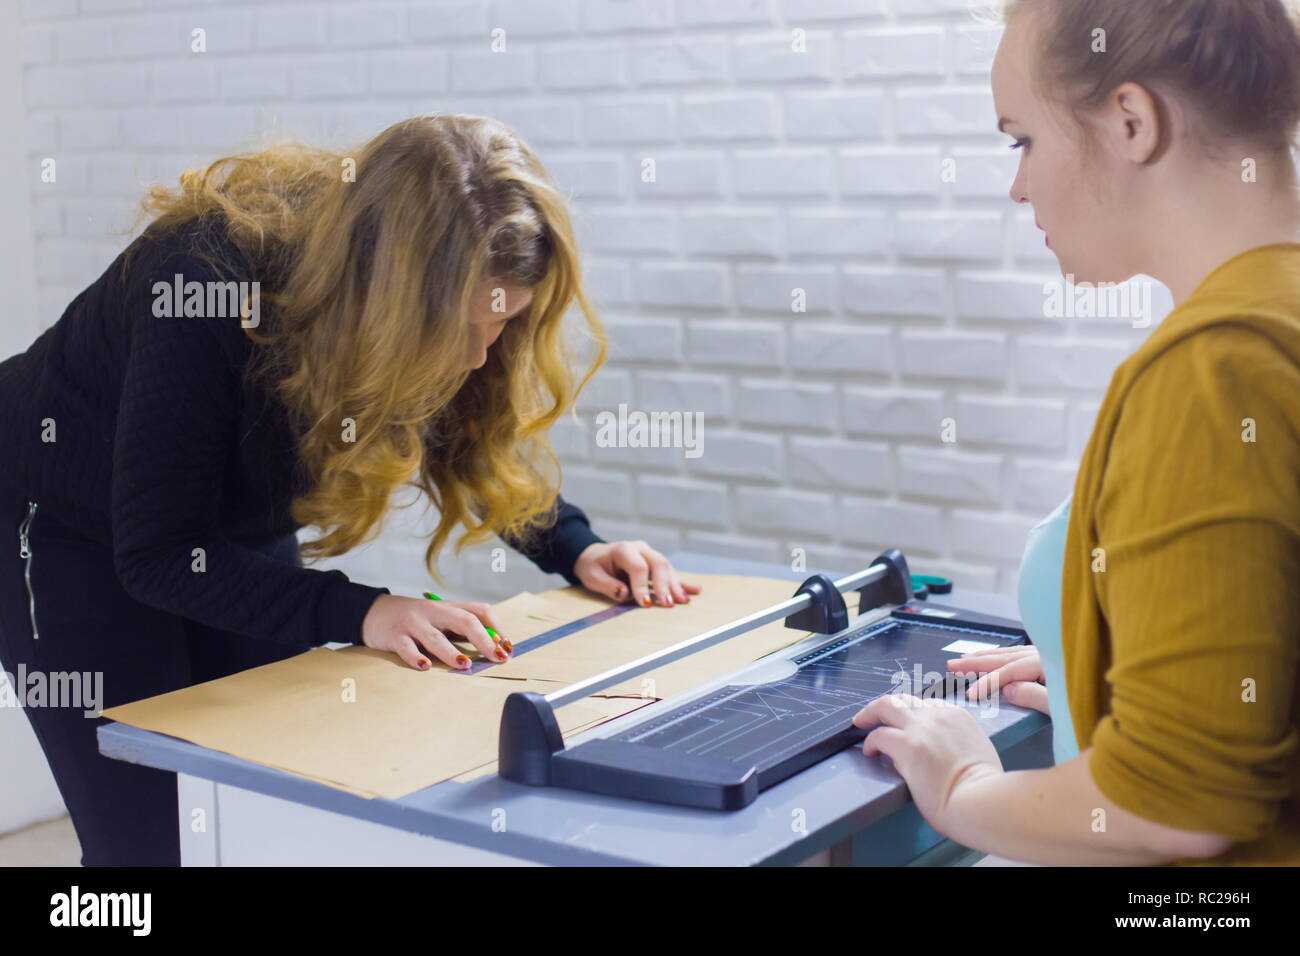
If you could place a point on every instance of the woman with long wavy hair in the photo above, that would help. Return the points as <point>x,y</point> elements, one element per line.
<point>296,333</point>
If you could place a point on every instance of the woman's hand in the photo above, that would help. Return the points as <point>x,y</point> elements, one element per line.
<point>599,567</point>
<point>1016,671</point>
<point>936,747</point>
<point>403,625</point>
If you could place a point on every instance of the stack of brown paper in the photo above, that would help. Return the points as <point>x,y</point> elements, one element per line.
<point>362,721</point>
<point>642,631</point>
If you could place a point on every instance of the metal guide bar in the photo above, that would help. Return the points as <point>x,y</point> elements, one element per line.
<point>675,652</point>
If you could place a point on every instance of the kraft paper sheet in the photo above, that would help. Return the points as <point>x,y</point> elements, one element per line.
<point>362,721</point>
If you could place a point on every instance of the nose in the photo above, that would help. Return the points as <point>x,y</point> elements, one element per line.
<point>1019,194</point>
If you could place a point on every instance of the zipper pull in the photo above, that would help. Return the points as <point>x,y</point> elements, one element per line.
<point>24,544</point>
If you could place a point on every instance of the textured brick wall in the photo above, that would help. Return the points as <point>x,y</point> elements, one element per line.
<point>775,171</point>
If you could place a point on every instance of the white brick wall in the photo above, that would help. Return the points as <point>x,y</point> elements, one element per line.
<point>776,170</point>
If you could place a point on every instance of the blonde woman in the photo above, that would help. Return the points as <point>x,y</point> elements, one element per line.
<point>1170,658</point>
<point>296,334</point>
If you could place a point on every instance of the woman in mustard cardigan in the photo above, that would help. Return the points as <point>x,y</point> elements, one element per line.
<point>1165,152</point>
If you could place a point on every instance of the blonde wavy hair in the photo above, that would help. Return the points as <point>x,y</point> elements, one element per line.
<point>372,276</point>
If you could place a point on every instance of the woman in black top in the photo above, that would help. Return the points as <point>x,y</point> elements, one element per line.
<point>296,334</point>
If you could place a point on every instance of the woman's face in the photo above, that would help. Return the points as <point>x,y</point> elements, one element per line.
<point>1080,205</point>
<point>494,303</point>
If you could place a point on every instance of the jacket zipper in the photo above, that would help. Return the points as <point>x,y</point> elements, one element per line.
<point>25,552</point>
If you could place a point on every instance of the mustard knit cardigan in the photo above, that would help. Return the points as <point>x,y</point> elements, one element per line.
<point>1180,610</point>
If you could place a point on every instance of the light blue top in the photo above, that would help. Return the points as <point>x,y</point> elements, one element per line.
<point>1040,610</point>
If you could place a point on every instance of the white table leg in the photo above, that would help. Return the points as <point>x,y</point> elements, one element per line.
<point>257,830</point>
<point>197,821</point>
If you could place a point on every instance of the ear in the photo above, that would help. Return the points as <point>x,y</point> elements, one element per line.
<point>1132,121</point>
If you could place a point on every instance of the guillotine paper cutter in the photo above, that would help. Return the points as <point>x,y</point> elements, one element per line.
<point>717,746</point>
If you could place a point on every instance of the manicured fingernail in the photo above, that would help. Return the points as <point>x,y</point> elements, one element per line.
<point>509,648</point>
<point>461,660</point>
<point>500,654</point>
<point>645,600</point>
<point>423,663</point>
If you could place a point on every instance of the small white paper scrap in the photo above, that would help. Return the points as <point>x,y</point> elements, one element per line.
<point>965,646</point>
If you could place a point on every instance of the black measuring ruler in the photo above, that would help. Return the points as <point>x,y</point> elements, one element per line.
<point>549,637</point>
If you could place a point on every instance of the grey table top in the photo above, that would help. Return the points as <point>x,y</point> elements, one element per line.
<point>834,799</point>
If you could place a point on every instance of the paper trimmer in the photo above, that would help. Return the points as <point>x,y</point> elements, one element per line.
<point>718,745</point>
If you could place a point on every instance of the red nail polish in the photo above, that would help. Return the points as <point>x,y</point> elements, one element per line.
<point>507,645</point>
<point>500,654</point>
<point>423,663</point>
<point>461,660</point>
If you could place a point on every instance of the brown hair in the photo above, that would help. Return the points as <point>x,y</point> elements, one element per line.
<point>374,274</point>
<point>1235,63</point>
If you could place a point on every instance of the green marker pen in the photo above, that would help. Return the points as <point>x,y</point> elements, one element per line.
<point>491,633</point>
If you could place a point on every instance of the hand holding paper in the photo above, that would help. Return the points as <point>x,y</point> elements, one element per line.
<point>601,568</point>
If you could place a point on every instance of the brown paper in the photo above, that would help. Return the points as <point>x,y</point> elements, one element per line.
<point>362,721</point>
<point>642,631</point>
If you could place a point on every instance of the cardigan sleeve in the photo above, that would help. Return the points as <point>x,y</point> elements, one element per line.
<point>176,424</point>
<point>1198,516</point>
